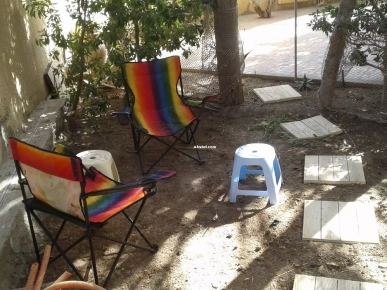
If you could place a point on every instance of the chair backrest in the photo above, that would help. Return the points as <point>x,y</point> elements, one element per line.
<point>53,178</point>
<point>154,87</point>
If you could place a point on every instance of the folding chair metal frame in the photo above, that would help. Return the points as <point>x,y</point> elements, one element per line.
<point>33,205</point>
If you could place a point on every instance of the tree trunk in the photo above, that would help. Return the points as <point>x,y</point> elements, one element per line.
<point>84,6</point>
<point>337,44</point>
<point>265,12</point>
<point>227,52</point>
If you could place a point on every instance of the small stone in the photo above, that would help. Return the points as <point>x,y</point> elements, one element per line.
<point>336,265</point>
<point>257,249</point>
<point>228,236</point>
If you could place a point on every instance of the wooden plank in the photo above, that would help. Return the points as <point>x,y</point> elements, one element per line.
<point>273,94</point>
<point>333,129</point>
<point>348,285</point>
<point>261,93</point>
<point>312,220</point>
<point>370,286</point>
<point>366,220</point>
<point>292,129</point>
<point>323,283</point>
<point>306,282</point>
<point>325,169</point>
<point>330,224</point>
<point>355,169</point>
<point>340,169</point>
<point>311,169</point>
<point>292,92</point>
<point>334,169</point>
<point>349,231</point>
<point>305,129</point>
<point>283,95</point>
<point>316,127</point>
<point>302,282</point>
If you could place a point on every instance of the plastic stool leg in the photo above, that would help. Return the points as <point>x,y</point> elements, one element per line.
<point>277,169</point>
<point>242,174</point>
<point>268,172</point>
<point>234,182</point>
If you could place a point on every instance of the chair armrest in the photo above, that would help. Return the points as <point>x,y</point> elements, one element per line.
<point>197,103</point>
<point>124,116</point>
<point>158,175</point>
<point>148,182</point>
<point>200,103</point>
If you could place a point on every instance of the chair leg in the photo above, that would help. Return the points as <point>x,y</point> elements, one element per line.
<point>67,249</point>
<point>92,255</point>
<point>33,235</point>
<point>152,246</point>
<point>189,135</point>
<point>129,233</point>
<point>194,130</point>
<point>137,147</point>
<point>158,160</point>
<point>54,242</point>
<point>135,139</point>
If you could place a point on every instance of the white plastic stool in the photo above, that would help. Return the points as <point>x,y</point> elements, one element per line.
<point>102,160</point>
<point>256,154</point>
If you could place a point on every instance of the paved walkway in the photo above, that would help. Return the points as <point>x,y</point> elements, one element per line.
<point>271,42</point>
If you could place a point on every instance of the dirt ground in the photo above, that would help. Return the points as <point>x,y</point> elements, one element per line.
<point>242,248</point>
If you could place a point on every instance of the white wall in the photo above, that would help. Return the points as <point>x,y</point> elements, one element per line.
<point>22,64</point>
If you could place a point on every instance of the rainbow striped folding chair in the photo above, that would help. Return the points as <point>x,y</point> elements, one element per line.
<point>62,187</point>
<point>157,106</point>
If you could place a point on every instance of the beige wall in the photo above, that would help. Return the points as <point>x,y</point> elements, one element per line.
<point>245,7</point>
<point>22,65</point>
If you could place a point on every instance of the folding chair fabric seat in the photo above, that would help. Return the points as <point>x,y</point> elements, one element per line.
<point>62,187</point>
<point>102,207</point>
<point>160,123</point>
<point>158,109</point>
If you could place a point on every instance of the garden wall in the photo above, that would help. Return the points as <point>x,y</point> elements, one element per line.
<point>22,88</point>
<point>245,7</point>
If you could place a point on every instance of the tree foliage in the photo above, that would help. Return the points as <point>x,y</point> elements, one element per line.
<point>130,30</point>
